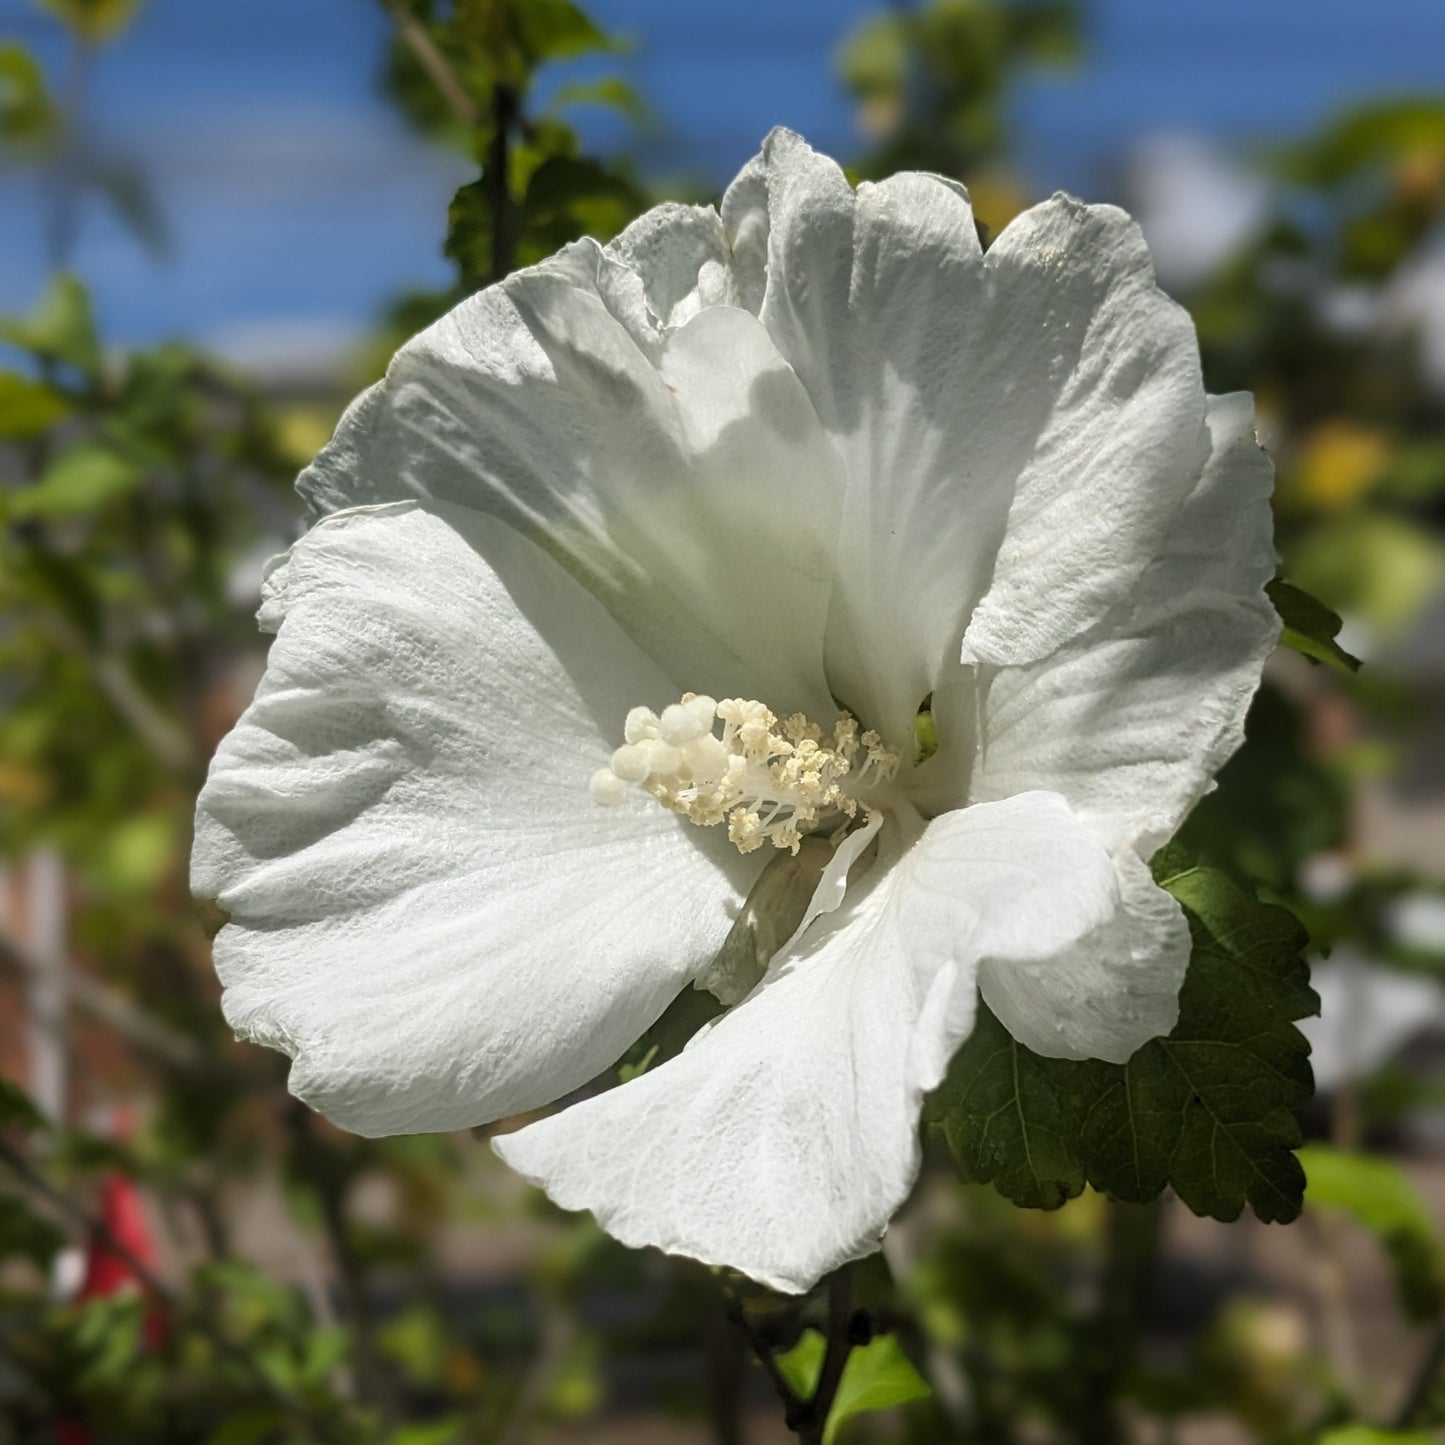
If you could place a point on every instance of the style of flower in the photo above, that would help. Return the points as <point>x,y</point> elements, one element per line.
<point>797,600</point>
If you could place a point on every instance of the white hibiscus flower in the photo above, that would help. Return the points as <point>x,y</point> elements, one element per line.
<point>817,453</point>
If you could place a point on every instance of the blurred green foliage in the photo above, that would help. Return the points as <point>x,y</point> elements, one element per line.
<point>136,490</point>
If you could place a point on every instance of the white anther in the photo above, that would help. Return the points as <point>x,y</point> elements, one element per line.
<point>662,757</point>
<point>771,781</point>
<point>706,758</point>
<point>632,762</point>
<point>680,724</point>
<point>641,724</point>
<point>702,706</point>
<point>607,788</point>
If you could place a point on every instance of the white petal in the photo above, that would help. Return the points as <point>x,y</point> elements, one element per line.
<point>1124,440</point>
<point>782,1140</point>
<point>1103,995</point>
<point>686,483</point>
<point>428,911</point>
<point>681,257</point>
<point>1021,424</point>
<point>1131,720</point>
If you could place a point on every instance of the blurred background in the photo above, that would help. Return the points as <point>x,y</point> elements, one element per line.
<point>217,220</point>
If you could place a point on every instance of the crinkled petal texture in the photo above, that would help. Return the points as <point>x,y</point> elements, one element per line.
<point>427,911</point>
<point>1018,427</point>
<point>683,478</point>
<point>781,1141</point>
<point>1131,719</point>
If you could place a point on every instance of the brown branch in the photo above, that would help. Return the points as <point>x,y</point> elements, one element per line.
<point>438,69</point>
<point>166,740</point>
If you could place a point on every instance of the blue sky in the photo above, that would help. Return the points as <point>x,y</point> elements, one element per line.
<point>297,203</point>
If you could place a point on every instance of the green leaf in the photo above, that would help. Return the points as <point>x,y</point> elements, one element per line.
<point>557,30</point>
<point>82,480</point>
<point>1206,1111</point>
<point>610,91</point>
<point>16,1109</point>
<point>1368,1435</point>
<point>878,1376</point>
<point>60,328</point>
<point>1381,1199</point>
<point>562,183</point>
<point>1309,626</point>
<point>26,1234</point>
<point>28,408</point>
<point>469,234</point>
<point>26,114</point>
<point>95,20</point>
<point>434,1432</point>
<point>254,1425</point>
<point>801,1365</point>
<point>1006,1115</point>
<point>1382,568</point>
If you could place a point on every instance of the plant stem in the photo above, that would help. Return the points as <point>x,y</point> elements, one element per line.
<point>808,1417</point>
<point>497,181</point>
<point>814,1419</point>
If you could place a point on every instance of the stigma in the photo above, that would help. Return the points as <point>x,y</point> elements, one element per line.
<point>735,763</point>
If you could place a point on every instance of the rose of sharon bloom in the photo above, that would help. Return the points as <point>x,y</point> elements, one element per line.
<point>803,547</point>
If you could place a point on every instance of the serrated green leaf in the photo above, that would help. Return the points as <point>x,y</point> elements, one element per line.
<point>1381,1199</point>
<point>1006,1114</point>
<point>80,481</point>
<point>28,408</point>
<point>1206,1111</point>
<point>60,328</point>
<point>1309,626</point>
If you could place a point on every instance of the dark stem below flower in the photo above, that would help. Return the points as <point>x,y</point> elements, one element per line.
<point>807,1416</point>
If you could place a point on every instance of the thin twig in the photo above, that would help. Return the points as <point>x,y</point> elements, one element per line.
<point>373,1381</point>
<point>166,740</point>
<point>438,69</point>
<point>1422,1387</point>
<point>134,1024</point>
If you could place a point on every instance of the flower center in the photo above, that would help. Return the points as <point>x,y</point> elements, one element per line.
<point>771,781</point>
